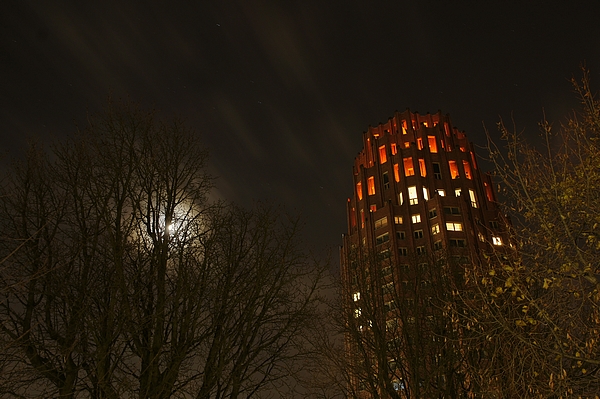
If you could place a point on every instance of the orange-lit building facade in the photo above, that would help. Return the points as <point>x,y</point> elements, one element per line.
<point>418,191</point>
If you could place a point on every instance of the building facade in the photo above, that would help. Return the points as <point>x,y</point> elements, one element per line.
<point>422,210</point>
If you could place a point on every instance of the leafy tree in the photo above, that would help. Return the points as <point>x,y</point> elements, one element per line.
<point>537,308</point>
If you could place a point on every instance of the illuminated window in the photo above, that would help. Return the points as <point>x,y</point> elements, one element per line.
<point>420,143</point>
<point>362,219</point>
<point>386,181</point>
<point>453,169</point>
<point>356,296</point>
<point>372,208</point>
<point>496,240</point>
<point>473,198</point>
<point>457,192</point>
<point>447,129</point>
<point>435,229</point>
<point>398,220</point>
<point>467,169</point>
<point>473,160</point>
<point>422,168</point>
<point>441,192</point>
<point>382,154</point>
<point>381,222</point>
<point>400,235</point>
<point>371,185</point>
<point>488,192</point>
<point>404,127</point>
<point>357,313</point>
<point>448,147</point>
<point>416,218</point>
<point>432,144</point>
<point>463,149</point>
<point>394,148</point>
<point>425,193</point>
<point>409,169</point>
<point>418,234</point>
<point>454,226</point>
<point>481,237</point>
<point>400,199</point>
<point>396,172</point>
<point>412,195</point>
<point>407,145</point>
<point>383,238</point>
<point>359,190</point>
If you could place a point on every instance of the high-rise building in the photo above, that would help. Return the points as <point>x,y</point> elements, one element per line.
<point>419,197</point>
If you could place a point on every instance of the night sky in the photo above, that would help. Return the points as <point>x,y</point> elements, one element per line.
<point>281,91</point>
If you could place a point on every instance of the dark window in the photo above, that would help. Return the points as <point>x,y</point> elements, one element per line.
<point>451,210</point>
<point>418,234</point>
<point>403,251</point>
<point>386,181</point>
<point>494,224</point>
<point>421,250</point>
<point>382,238</point>
<point>400,235</point>
<point>437,171</point>
<point>437,245</point>
<point>458,243</point>
<point>432,213</point>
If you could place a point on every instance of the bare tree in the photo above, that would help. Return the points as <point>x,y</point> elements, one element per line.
<point>120,278</point>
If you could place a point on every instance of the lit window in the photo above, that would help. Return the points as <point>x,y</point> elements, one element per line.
<point>359,190</point>
<point>457,192</point>
<point>372,208</point>
<point>362,218</point>
<point>420,143</point>
<point>409,169</point>
<point>394,148</point>
<point>381,222</point>
<point>382,154</point>
<point>385,237</point>
<point>425,193</point>
<point>371,185</point>
<point>432,144</point>
<point>357,313</point>
<point>404,127</point>
<point>398,219</point>
<point>481,237</point>
<point>396,172</point>
<point>441,192</point>
<point>473,160</point>
<point>400,199</point>
<point>453,169</point>
<point>426,124</point>
<point>447,129</point>
<point>412,195</point>
<point>454,226</point>
<point>407,144</point>
<point>488,192</point>
<point>496,240</point>
<point>473,198</point>
<point>467,169</point>
<point>356,296</point>
<point>416,218</point>
<point>422,168</point>
<point>463,149</point>
<point>435,229</point>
